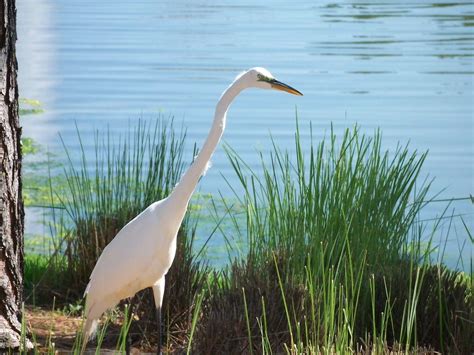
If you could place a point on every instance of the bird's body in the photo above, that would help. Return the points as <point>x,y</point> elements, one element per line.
<point>142,252</point>
<point>119,272</point>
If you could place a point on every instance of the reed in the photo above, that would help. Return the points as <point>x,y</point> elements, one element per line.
<point>350,198</point>
<point>333,260</point>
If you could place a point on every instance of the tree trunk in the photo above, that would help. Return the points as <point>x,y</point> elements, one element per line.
<point>11,205</point>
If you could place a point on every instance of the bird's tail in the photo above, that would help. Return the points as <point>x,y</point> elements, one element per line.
<point>88,331</point>
<point>93,311</point>
<point>90,326</point>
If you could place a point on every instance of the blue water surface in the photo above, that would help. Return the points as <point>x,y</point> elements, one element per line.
<point>403,66</point>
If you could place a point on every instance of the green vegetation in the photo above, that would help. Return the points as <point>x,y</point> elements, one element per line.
<point>333,260</point>
<point>29,146</point>
<point>30,107</point>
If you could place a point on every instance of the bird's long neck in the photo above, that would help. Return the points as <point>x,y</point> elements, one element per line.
<point>184,189</point>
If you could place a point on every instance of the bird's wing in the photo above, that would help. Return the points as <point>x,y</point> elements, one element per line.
<point>140,254</point>
<point>115,276</point>
<point>123,264</point>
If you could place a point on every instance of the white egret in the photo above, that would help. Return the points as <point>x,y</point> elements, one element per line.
<point>142,252</point>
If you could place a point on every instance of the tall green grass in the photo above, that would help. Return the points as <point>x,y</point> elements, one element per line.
<point>335,261</point>
<point>348,197</point>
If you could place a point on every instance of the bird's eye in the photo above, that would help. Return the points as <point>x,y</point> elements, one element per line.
<point>261,77</point>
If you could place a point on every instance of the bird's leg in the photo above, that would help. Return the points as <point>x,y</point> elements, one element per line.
<point>158,292</point>
<point>159,330</point>
<point>128,345</point>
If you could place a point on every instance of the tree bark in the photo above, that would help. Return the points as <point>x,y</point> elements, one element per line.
<point>11,204</point>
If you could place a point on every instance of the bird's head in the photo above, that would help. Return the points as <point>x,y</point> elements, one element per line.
<point>263,79</point>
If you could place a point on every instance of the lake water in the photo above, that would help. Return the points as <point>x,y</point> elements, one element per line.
<point>404,66</point>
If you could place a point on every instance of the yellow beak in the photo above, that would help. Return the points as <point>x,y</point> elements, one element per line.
<point>278,85</point>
